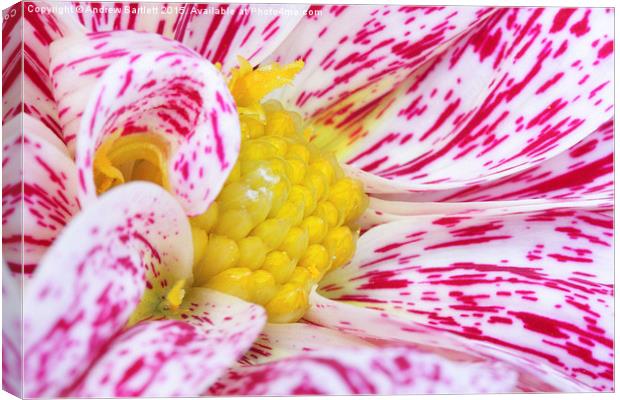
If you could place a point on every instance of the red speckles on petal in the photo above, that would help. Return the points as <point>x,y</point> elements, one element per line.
<point>369,53</point>
<point>495,281</point>
<point>606,49</point>
<point>39,191</point>
<point>169,357</point>
<point>460,126</point>
<point>584,173</point>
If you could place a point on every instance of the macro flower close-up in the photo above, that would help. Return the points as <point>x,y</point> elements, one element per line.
<point>287,199</point>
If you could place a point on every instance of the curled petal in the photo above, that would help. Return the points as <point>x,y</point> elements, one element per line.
<point>48,185</point>
<point>365,371</point>
<point>520,88</point>
<point>184,99</point>
<point>354,55</point>
<point>252,31</point>
<point>79,61</point>
<point>543,293</point>
<point>93,276</point>
<point>278,341</point>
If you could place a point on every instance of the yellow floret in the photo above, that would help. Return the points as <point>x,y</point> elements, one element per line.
<point>340,243</point>
<point>295,242</point>
<point>221,253</point>
<point>279,264</point>
<point>206,220</point>
<point>199,239</point>
<point>316,261</point>
<point>316,227</point>
<point>234,281</point>
<point>289,304</point>
<point>252,252</point>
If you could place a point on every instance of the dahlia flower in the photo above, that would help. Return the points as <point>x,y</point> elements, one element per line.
<point>232,199</point>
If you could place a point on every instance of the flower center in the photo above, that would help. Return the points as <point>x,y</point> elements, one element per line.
<point>141,156</point>
<point>285,216</point>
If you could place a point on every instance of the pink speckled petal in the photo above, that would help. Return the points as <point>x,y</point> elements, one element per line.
<point>582,176</point>
<point>355,371</point>
<point>90,280</point>
<point>12,349</point>
<point>37,166</point>
<point>79,61</point>
<point>234,322</point>
<point>355,55</point>
<point>520,88</point>
<point>530,288</point>
<point>278,341</point>
<point>170,358</point>
<point>184,99</point>
<point>221,32</point>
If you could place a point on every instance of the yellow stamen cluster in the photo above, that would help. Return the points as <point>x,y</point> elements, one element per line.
<point>287,213</point>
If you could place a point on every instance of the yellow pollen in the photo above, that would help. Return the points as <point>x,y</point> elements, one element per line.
<point>286,215</point>
<point>248,86</point>
<point>139,156</point>
<point>175,296</point>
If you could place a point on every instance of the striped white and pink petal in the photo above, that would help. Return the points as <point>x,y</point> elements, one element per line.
<point>530,288</point>
<point>521,87</point>
<point>175,357</point>
<point>158,86</point>
<point>90,280</point>
<point>39,192</point>
<point>355,371</point>
<point>581,176</point>
<point>354,55</point>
